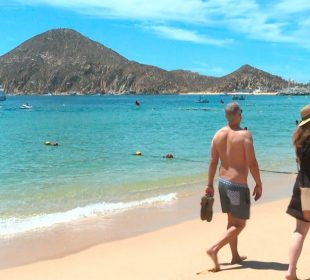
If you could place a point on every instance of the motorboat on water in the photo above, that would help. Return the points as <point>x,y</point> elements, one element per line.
<point>202,100</point>
<point>238,97</point>
<point>2,94</point>
<point>25,106</point>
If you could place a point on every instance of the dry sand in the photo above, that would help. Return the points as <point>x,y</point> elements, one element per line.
<point>178,252</point>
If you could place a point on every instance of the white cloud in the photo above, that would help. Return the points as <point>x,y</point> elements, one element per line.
<point>291,7</point>
<point>133,9</point>
<point>282,21</point>
<point>187,35</point>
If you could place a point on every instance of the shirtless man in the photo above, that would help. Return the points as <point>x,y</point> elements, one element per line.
<point>233,146</point>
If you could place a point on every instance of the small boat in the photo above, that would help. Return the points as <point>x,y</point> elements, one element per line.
<point>25,106</point>
<point>237,97</point>
<point>2,94</point>
<point>202,100</point>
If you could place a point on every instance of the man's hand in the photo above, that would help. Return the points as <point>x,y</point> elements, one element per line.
<point>209,191</point>
<point>257,193</point>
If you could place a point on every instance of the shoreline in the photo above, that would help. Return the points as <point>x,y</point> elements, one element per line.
<point>75,238</point>
<point>178,252</point>
<point>140,94</point>
<point>238,93</point>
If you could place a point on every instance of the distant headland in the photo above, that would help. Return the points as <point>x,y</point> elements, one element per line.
<point>63,61</point>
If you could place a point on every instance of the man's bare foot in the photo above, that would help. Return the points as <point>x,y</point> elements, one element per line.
<point>214,269</point>
<point>291,277</point>
<point>238,259</point>
<point>213,256</point>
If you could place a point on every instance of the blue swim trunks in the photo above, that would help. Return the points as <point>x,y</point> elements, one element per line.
<point>235,199</point>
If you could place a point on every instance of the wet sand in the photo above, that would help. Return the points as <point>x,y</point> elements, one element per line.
<point>170,242</point>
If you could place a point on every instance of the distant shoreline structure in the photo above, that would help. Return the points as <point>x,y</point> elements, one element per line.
<point>279,93</point>
<point>229,93</point>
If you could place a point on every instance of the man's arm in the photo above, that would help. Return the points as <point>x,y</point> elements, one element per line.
<point>212,169</point>
<point>252,164</point>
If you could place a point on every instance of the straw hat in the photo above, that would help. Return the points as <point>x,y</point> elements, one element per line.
<point>305,115</point>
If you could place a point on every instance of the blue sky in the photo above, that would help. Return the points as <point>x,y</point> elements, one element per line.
<point>212,37</point>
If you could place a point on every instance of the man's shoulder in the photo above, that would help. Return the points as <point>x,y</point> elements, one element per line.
<point>247,137</point>
<point>221,131</point>
<point>246,133</point>
<point>226,129</point>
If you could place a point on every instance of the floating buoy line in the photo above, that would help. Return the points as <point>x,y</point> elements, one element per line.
<point>170,156</point>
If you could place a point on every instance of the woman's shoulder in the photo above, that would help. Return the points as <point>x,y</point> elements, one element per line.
<point>304,151</point>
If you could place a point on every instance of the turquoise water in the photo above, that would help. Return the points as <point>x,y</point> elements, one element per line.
<point>93,170</point>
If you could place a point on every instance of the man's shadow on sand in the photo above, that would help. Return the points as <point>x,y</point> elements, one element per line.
<point>257,265</point>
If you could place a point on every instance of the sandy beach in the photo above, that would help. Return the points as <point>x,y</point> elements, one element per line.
<point>178,251</point>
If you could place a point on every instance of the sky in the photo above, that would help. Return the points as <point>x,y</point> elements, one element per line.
<point>211,37</point>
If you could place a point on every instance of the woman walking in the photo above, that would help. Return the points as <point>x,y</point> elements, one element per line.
<point>299,206</point>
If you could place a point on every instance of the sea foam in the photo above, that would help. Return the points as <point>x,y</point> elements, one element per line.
<point>12,226</point>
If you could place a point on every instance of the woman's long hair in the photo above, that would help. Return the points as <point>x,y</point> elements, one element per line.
<point>301,135</point>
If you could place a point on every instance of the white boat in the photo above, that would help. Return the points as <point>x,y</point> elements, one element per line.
<point>25,106</point>
<point>238,97</point>
<point>2,94</point>
<point>202,100</point>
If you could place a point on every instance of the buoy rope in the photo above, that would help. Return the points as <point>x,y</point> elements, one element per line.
<point>205,162</point>
<point>174,158</point>
<point>282,172</point>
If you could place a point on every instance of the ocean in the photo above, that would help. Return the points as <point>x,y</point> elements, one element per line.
<point>94,171</point>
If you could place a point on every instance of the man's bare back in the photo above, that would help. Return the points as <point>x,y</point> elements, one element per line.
<point>232,148</point>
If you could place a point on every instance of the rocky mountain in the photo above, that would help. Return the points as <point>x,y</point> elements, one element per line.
<point>64,61</point>
<point>248,77</point>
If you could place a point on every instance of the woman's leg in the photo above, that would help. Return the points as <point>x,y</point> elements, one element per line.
<point>296,247</point>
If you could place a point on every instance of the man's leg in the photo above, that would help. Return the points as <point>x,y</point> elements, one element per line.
<point>236,258</point>
<point>230,236</point>
<point>296,247</point>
